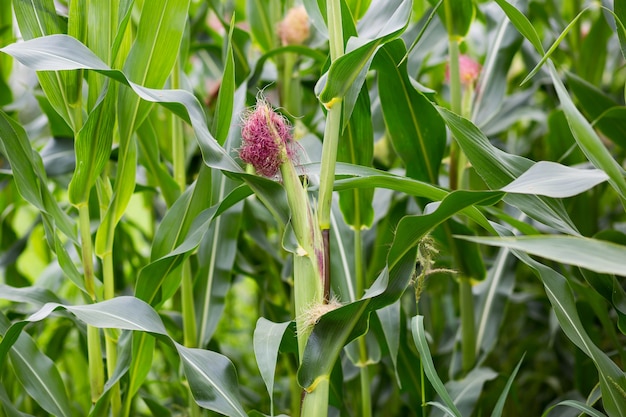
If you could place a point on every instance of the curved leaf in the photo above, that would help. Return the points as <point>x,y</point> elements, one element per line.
<point>497,168</point>
<point>266,341</point>
<point>211,376</point>
<point>596,255</point>
<point>416,130</point>
<point>555,180</point>
<point>419,337</point>
<point>37,374</point>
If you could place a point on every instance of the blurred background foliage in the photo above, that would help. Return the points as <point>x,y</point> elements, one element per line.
<point>241,266</point>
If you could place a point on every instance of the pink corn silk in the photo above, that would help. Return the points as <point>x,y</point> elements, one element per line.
<point>266,140</point>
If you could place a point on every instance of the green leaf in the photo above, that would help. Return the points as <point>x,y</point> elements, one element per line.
<point>555,44</point>
<point>63,52</point>
<point>555,180</point>
<point>417,132</point>
<point>596,255</point>
<point>498,168</point>
<point>457,16</point>
<point>93,147</point>
<point>499,407</point>
<point>344,324</point>
<point>522,24</point>
<point>37,373</point>
<point>213,380</point>
<point>604,111</point>
<point>587,138</point>
<point>211,376</point>
<point>177,227</point>
<point>29,175</point>
<point>151,57</point>
<point>33,295</point>
<point>266,341</point>
<point>373,178</point>
<point>215,271</point>
<point>612,379</point>
<point>414,228</point>
<point>584,408</point>
<point>419,337</point>
<point>37,19</point>
<point>466,392</point>
<point>356,146</point>
<point>153,284</point>
<point>383,22</point>
<point>263,16</point>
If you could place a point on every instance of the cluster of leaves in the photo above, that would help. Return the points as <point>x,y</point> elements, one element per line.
<point>126,136</point>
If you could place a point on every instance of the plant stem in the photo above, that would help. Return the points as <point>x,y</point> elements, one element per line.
<point>110,335</point>
<point>308,287</point>
<point>315,402</point>
<point>468,333</point>
<point>189,317</point>
<point>290,91</point>
<point>94,350</point>
<point>366,396</point>
<point>333,121</point>
<point>457,163</point>
<point>456,106</point>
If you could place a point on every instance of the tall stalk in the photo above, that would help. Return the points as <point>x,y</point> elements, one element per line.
<point>333,122</point>
<point>186,291</point>
<point>110,335</point>
<point>457,163</point>
<point>94,351</point>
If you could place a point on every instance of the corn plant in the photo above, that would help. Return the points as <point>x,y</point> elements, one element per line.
<point>312,208</point>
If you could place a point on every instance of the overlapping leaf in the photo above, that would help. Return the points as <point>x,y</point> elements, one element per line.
<point>211,376</point>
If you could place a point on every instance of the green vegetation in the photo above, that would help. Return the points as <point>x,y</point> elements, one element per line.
<point>312,208</point>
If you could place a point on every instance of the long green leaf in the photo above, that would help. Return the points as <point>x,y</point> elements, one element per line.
<point>383,22</point>
<point>416,130</point>
<point>555,180</point>
<point>29,175</point>
<point>498,168</point>
<point>587,139</point>
<point>37,19</point>
<point>211,376</point>
<point>356,146</point>
<point>414,228</point>
<point>522,24</point>
<point>62,52</point>
<point>93,147</point>
<point>497,410</point>
<point>612,378</point>
<point>220,243</point>
<point>584,408</point>
<point>266,342</point>
<point>419,338</point>
<point>593,254</point>
<point>37,373</point>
